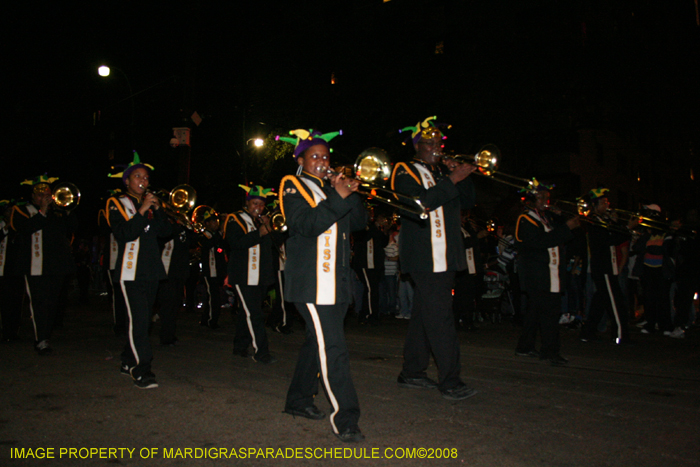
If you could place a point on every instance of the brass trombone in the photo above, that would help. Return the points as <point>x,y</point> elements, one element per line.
<point>373,169</point>
<point>66,196</point>
<point>177,203</point>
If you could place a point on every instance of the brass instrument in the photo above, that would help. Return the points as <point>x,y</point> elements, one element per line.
<point>373,169</point>
<point>487,160</point>
<point>66,196</point>
<point>177,203</point>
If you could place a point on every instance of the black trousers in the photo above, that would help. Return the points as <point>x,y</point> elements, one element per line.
<point>432,330</point>
<point>370,279</point>
<point>140,297</point>
<point>250,322</point>
<point>607,299</point>
<point>44,296</point>
<point>542,314</point>
<point>11,290</point>
<point>211,309</point>
<point>656,296</point>
<point>170,294</point>
<point>280,316</point>
<point>465,297</point>
<point>324,355</point>
<point>119,315</point>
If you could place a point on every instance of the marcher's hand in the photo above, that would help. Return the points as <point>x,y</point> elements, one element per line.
<point>461,171</point>
<point>344,186</point>
<point>573,223</point>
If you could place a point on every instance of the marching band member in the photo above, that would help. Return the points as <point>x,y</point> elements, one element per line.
<point>250,271</point>
<point>119,315</point>
<point>280,318</point>
<point>175,255</point>
<point>214,248</point>
<point>137,221</point>
<point>11,283</point>
<point>368,262</point>
<point>541,267</point>
<point>320,215</point>
<point>44,255</point>
<point>467,281</point>
<point>431,252</point>
<point>604,270</point>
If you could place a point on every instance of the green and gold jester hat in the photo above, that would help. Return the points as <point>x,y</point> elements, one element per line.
<point>41,184</point>
<point>133,165</point>
<point>533,186</point>
<point>305,139</point>
<point>257,192</point>
<point>427,129</point>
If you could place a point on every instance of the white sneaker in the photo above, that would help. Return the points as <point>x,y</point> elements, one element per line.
<point>641,324</point>
<point>566,318</point>
<point>677,333</point>
<point>667,333</point>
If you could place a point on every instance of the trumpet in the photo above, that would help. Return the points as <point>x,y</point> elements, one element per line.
<point>177,203</point>
<point>372,169</point>
<point>66,196</point>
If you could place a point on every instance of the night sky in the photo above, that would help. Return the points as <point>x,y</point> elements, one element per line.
<point>507,73</point>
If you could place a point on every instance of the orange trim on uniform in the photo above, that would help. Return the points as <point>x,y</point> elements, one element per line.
<point>297,183</point>
<point>12,216</point>
<point>408,170</point>
<point>235,217</point>
<point>119,206</point>
<point>517,224</point>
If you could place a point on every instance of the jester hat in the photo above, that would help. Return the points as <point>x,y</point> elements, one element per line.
<point>533,186</point>
<point>41,183</point>
<point>596,193</point>
<point>305,139</point>
<point>257,192</point>
<point>427,129</point>
<point>133,165</point>
<point>209,214</point>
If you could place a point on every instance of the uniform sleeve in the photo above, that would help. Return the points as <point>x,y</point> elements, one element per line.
<point>408,183</point>
<point>534,236</point>
<point>237,237</point>
<point>124,230</point>
<point>311,221</point>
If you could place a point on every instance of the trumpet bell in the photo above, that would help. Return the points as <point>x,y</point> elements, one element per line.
<point>278,222</point>
<point>487,159</point>
<point>373,167</point>
<point>182,198</point>
<point>66,196</point>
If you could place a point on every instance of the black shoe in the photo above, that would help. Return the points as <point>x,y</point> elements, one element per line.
<point>529,353</point>
<point>422,382</point>
<point>351,435</point>
<point>147,381</point>
<point>458,393</point>
<point>558,360</point>
<point>241,353</point>
<point>125,369</point>
<point>311,412</point>
<point>266,359</point>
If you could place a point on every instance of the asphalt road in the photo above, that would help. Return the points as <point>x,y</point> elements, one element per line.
<point>611,406</point>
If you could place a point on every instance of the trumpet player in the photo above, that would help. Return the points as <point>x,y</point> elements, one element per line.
<point>250,271</point>
<point>214,249</point>
<point>137,222</point>
<point>321,211</point>
<point>44,255</point>
<point>431,251</point>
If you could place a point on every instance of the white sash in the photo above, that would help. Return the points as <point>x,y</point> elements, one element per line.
<point>113,252</point>
<point>438,239</point>
<point>326,251</point>
<point>253,253</point>
<point>3,249</point>
<point>554,257</point>
<point>167,254</point>
<point>471,265</point>
<point>370,253</point>
<point>282,256</point>
<point>613,259</point>
<point>37,246</point>
<point>131,249</point>
<point>212,258</point>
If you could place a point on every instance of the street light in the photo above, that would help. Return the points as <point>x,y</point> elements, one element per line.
<point>257,142</point>
<point>103,71</point>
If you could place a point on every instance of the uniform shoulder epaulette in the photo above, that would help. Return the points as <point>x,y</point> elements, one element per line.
<point>113,204</point>
<point>517,224</point>
<point>298,187</point>
<point>16,209</point>
<point>236,218</point>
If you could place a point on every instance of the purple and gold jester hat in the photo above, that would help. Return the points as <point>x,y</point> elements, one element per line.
<point>133,165</point>
<point>427,129</point>
<point>305,139</point>
<point>40,184</point>
<point>533,186</point>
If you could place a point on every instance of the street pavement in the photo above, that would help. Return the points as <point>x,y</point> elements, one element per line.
<point>635,405</point>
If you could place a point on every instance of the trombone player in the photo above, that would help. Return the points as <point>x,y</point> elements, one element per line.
<point>44,255</point>
<point>431,252</point>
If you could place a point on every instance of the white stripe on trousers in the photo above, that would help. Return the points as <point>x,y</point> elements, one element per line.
<point>614,308</point>
<point>131,323</point>
<point>114,300</point>
<point>369,292</point>
<point>247,318</point>
<point>284,310</point>
<point>211,310</point>
<point>324,362</point>
<point>31,308</point>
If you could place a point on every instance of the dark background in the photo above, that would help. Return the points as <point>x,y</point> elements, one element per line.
<point>525,75</point>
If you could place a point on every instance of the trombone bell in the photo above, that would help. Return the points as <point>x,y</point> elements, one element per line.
<point>182,198</point>
<point>66,196</point>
